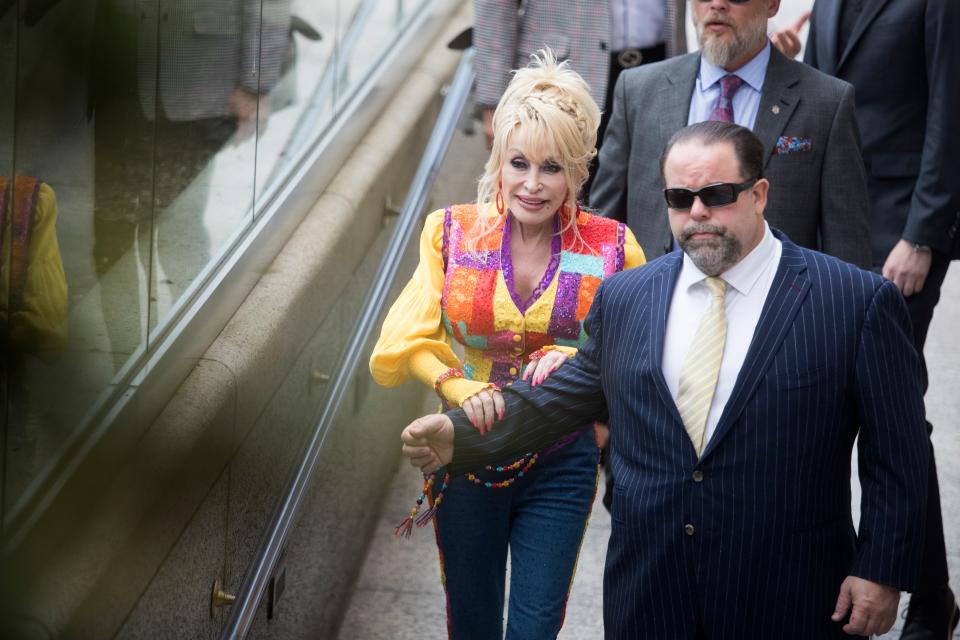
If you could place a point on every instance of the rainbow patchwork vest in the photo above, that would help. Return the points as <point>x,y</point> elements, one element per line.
<point>482,310</point>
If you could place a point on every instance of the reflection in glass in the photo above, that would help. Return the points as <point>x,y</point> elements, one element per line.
<point>219,61</point>
<point>33,318</point>
<point>295,114</point>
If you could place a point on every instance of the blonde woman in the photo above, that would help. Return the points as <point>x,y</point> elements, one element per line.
<point>510,279</point>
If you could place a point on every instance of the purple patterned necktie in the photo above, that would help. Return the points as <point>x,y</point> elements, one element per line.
<point>724,109</point>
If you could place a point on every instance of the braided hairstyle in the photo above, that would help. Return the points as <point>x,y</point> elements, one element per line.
<point>548,112</point>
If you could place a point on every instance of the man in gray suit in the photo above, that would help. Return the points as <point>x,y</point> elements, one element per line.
<point>600,38</point>
<point>804,118</point>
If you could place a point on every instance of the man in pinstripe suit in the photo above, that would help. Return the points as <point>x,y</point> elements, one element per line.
<point>737,523</point>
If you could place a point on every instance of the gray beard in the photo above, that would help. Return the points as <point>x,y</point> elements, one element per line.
<point>713,256</point>
<point>744,40</point>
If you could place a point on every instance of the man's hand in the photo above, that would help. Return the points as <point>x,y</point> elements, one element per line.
<point>907,268</point>
<point>874,606</point>
<point>250,110</point>
<point>428,442</point>
<point>788,40</point>
<point>488,125</point>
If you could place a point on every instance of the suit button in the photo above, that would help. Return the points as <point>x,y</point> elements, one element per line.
<point>688,529</point>
<point>698,476</point>
<point>516,337</point>
<point>513,371</point>
<point>518,350</point>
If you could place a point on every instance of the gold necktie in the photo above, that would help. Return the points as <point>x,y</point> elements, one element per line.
<point>698,378</point>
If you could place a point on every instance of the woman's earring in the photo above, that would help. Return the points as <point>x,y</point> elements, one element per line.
<point>499,198</point>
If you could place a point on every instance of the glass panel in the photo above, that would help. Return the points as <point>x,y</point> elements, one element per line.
<point>8,94</point>
<point>139,116</point>
<point>295,80</point>
<point>75,291</point>
<point>370,21</point>
<point>205,104</point>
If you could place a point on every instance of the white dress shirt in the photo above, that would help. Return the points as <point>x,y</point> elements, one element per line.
<point>746,101</point>
<point>636,24</point>
<point>748,283</point>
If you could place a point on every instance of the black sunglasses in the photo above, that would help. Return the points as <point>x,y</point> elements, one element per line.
<point>712,195</point>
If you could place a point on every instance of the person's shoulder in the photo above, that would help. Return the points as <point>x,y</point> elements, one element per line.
<point>833,274</point>
<point>639,276</point>
<point>668,68</point>
<point>813,82</point>
<point>595,221</point>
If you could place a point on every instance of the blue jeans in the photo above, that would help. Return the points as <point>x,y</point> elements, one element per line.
<point>541,519</point>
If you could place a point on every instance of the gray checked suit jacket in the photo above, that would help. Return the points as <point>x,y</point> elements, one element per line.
<point>817,197</point>
<point>206,49</point>
<point>506,32</point>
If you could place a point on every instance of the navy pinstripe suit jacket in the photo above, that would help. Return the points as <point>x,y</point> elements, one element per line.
<point>756,544</point>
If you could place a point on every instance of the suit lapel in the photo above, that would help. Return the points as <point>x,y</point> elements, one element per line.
<point>675,93</point>
<point>787,293</point>
<point>778,101</point>
<point>870,10</point>
<point>660,296</point>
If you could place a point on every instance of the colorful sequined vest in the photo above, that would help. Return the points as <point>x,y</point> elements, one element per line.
<point>482,310</point>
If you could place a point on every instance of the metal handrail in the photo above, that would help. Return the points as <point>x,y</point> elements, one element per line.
<point>261,569</point>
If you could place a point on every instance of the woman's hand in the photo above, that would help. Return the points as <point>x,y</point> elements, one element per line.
<point>540,369</point>
<point>483,408</point>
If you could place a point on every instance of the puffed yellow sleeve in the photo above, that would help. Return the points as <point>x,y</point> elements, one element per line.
<point>413,341</point>
<point>40,325</point>
<point>632,253</point>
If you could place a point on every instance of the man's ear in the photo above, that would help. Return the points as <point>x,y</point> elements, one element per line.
<point>759,191</point>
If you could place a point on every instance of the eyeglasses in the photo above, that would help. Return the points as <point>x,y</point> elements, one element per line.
<point>712,195</point>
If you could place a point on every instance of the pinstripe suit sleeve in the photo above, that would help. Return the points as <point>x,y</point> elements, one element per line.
<point>892,447</point>
<point>536,417</point>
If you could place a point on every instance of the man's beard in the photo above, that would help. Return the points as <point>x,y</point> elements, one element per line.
<point>713,255</point>
<point>745,38</point>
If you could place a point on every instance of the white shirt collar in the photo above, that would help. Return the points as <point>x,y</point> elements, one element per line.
<point>752,73</point>
<point>741,276</point>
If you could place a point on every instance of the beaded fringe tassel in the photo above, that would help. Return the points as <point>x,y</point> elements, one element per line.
<point>405,528</point>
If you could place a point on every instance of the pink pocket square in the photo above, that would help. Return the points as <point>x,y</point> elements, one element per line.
<point>793,144</point>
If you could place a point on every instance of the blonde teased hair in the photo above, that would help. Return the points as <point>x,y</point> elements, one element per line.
<point>546,111</point>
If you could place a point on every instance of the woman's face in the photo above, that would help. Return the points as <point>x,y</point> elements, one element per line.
<point>532,191</point>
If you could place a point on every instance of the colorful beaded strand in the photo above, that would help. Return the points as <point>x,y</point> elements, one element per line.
<point>524,464</point>
<point>427,515</point>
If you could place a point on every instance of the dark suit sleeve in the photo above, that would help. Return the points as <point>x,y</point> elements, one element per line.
<point>936,199</point>
<point>608,194</point>
<point>537,417</point>
<point>893,446</point>
<point>810,47</point>
<point>844,205</point>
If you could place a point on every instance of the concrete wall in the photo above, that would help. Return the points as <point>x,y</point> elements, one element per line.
<point>192,502</point>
